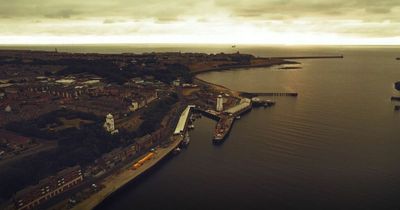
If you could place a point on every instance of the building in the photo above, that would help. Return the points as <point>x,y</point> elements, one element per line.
<point>183,120</point>
<point>244,104</point>
<point>48,188</point>
<point>176,83</point>
<point>134,106</point>
<point>220,103</point>
<point>109,124</point>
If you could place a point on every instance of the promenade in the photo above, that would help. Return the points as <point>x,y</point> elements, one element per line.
<point>124,176</point>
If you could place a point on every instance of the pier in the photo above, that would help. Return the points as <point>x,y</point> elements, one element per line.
<point>226,118</point>
<point>310,57</point>
<point>251,95</point>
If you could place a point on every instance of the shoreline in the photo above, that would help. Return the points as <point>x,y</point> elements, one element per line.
<point>124,176</point>
<point>268,62</point>
<point>227,68</point>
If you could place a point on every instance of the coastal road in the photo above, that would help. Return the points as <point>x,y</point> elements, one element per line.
<point>123,177</point>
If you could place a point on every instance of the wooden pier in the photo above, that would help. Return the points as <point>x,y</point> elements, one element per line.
<point>310,57</point>
<point>251,95</point>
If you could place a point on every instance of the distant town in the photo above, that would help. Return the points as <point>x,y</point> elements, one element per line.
<point>70,121</point>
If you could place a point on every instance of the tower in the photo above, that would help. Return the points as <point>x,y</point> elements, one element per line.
<point>220,103</point>
<point>109,124</point>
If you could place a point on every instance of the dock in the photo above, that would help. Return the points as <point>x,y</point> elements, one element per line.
<point>251,95</point>
<point>226,118</point>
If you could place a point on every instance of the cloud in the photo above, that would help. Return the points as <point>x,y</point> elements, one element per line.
<point>64,13</point>
<point>210,18</point>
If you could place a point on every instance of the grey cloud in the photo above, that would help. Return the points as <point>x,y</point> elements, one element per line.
<point>64,13</point>
<point>341,9</point>
<point>318,13</point>
<point>378,10</point>
<point>157,9</point>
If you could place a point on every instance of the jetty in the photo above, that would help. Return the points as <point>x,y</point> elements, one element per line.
<point>309,57</point>
<point>251,95</point>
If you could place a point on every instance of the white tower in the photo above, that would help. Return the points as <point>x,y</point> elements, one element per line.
<point>220,103</point>
<point>109,124</point>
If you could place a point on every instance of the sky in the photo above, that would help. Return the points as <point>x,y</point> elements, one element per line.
<point>353,22</point>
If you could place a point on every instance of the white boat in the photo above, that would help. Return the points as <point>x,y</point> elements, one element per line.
<point>186,140</point>
<point>177,150</point>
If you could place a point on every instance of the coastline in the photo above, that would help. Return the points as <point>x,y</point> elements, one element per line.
<point>237,93</point>
<point>124,176</point>
<point>265,62</point>
<point>269,63</point>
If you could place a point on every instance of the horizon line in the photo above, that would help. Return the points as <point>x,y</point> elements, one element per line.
<point>195,43</point>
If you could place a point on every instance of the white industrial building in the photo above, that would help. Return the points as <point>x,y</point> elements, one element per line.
<point>244,103</point>
<point>180,127</point>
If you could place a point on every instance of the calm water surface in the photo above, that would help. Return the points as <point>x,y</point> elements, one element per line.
<point>335,146</point>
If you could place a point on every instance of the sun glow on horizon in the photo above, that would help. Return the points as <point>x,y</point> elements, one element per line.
<point>224,30</point>
<point>280,39</point>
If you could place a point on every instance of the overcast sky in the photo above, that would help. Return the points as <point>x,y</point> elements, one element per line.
<point>201,21</point>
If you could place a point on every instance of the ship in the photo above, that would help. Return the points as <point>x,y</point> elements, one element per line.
<point>222,129</point>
